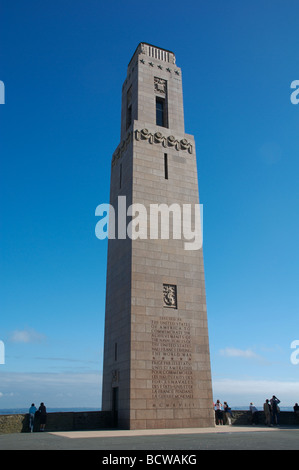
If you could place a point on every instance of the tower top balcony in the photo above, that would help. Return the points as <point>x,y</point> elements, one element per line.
<point>153,52</point>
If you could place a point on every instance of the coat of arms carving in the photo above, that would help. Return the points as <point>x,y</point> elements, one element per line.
<point>160,86</point>
<point>169,296</point>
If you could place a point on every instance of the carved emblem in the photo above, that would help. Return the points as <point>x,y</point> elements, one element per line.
<point>184,144</point>
<point>169,296</point>
<point>145,133</point>
<point>160,86</point>
<point>158,137</point>
<point>171,140</point>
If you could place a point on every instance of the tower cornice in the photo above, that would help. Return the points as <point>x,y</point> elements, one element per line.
<point>154,52</point>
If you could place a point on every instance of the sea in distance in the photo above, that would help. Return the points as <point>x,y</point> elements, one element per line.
<point>16,411</point>
<point>21,411</point>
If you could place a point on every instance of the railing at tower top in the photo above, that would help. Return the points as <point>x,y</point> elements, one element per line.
<point>158,53</point>
<point>154,52</point>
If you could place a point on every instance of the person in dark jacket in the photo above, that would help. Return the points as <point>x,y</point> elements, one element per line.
<point>42,416</point>
<point>274,409</point>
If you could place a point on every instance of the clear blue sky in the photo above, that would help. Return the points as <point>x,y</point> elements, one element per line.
<point>63,64</point>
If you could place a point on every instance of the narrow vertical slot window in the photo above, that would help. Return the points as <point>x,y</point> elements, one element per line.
<point>161,118</point>
<point>165,166</point>
<point>129,108</point>
<point>129,116</point>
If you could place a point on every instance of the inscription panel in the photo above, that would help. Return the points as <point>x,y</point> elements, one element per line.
<point>171,359</point>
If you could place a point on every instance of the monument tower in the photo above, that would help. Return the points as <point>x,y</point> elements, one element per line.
<point>156,371</point>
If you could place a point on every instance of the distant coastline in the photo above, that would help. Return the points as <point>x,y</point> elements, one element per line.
<point>15,411</point>
<point>21,411</point>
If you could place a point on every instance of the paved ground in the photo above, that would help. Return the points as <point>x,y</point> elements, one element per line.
<point>218,438</point>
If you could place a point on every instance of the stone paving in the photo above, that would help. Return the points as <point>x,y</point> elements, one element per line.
<point>168,441</point>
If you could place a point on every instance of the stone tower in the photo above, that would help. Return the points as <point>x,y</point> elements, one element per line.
<point>156,371</point>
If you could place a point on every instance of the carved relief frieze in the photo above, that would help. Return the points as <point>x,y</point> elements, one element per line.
<point>152,138</point>
<point>159,138</point>
<point>122,148</point>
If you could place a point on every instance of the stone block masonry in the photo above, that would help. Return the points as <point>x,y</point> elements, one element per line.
<point>156,371</point>
<point>97,420</point>
<point>59,421</point>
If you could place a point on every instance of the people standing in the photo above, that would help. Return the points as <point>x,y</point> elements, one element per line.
<point>32,411</point>
<point>296,411</point>
<point>267,411</point>
<point>43,416</point>
<point>274,409</point>
<point>219,412</point>
<point>227,413</point>
<point>254,413</point>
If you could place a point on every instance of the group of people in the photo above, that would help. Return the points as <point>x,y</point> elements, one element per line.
<point>40,413</point>
<point>223,413</point>
<point>271,410</point>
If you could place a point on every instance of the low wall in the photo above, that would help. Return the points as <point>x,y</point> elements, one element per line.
<point>243,418</point>
<point>60,421</point>
<point>92,420</point>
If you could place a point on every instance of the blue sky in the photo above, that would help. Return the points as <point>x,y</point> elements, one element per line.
<point>63,64</point>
